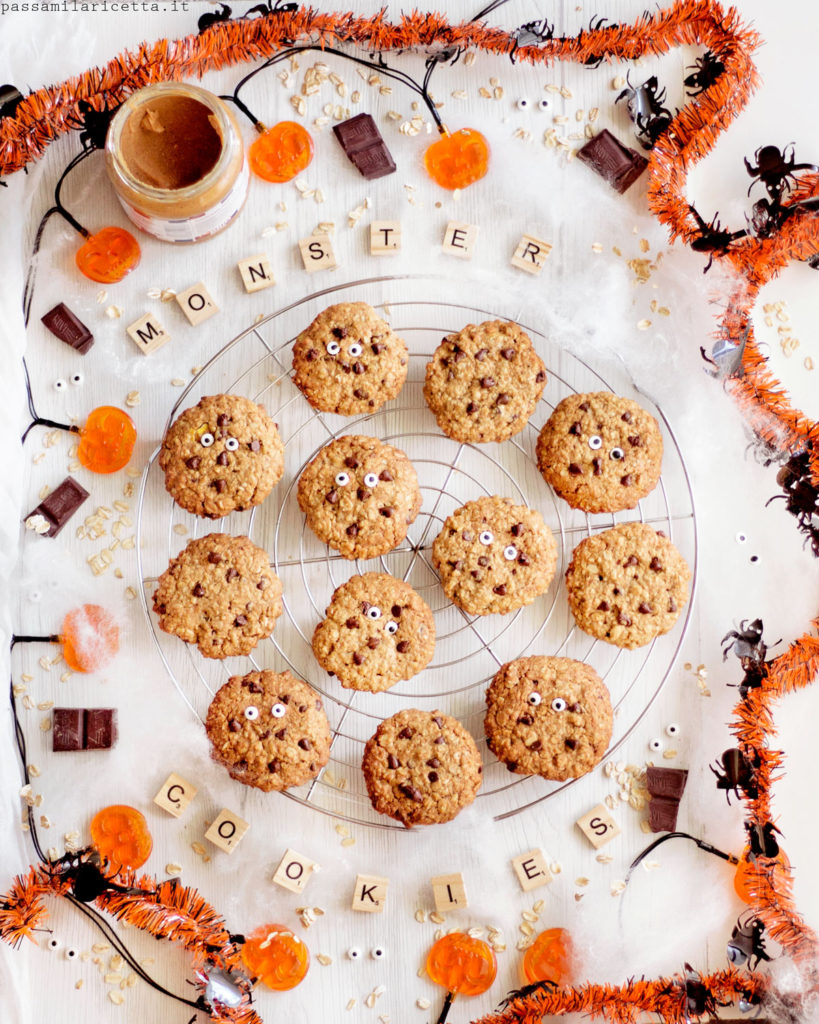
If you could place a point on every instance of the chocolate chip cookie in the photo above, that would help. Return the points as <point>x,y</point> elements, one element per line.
<point>483,383</point>
<point>627,585</point>
<point>269,730</point>
<point>421,767</point>
<point>349,361</point>
<point>548,716</point>
<point>600,452</point>
<point>222,455</point>
<point>220,594</point>
<point>493,556</point>
<point>360,496</point>
<point>377,631</point>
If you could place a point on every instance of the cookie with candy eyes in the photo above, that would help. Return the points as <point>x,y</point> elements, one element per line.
<point>600,452</point>
<point>269,730</point>
<point>360,496</point>
<point>377,630</point>
<point>222,455</point>
<point>349,361</point>
<point>483,383</point>
<point>493,556</point>
<point>548,716</point>
<point>219,593</point>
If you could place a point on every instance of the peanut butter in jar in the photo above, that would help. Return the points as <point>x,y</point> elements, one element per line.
<point>175,157</point>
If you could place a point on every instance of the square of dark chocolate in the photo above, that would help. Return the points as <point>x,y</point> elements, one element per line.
<point>100,728</point>
<point>60,505</point>
<point>67,729</point>
<point>662,814</point>
<point>356,133</point>
<point>616,163</point>
<point>374,162</point>
<point>64,325</point>
<point>668,782</point>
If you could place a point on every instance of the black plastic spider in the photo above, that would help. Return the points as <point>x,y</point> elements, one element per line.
<point>775,170</point>
<point>211,18</point>
<point>737,772</point>
<point>706,71</point>
<point>801,496</point>
<point>94,125</point>
<point>712,239</point>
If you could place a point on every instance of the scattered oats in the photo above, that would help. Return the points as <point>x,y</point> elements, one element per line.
<point>423,1004</point>
<point>651,865</point>
<point>552,88</point>
<point>578,896</point>
<point>374,79</point>
<point>102,295</point>
<point>177,382</point>
<point>645,826</point>
<point>385,90</point>
<point>421,971</point>
<point>45,725</point>
<point>527,915</point>
<point>173,869</point>
<point>436,918</point>
<point>523,133</point>
<point>664,311</point>
<point>555,867</point>
<point>623,794</point>
<point>113,978</point>
<point>643,325</point>
<point>325,227</point>
<point>298,104</point>
<point>483,91</point>
<point>153,293</point>
<point>73,841</point>
<point>324,960</point>
<point>78,983</point>
<point>45,705</point>
<point>527,929</point>
<point>73,467</point>
<point>576,135</point>
<point>604,858</point>
<point>66,676</point>
<point>537,906</point>
<point>116,997</point>
<point>39,524</point>
<point>497,92</point>
<point>198,849</point>
<point>181,529</point>
<point>636,802</point>
<point>28,703</point>
<point>342,830</point>
<point>475,932</point>
<point>594,113</point>
<point>38,458</point>
<point>369,1002</point>
<point>268,231</point>
<point>167,294</point>
<point>349,841</point>
<point>318,195</point>
<point>350,1004</point>
<point>567,94</point>
<point>33,771</point>
<point>669,755</point>
<point>469,59</point>
<point>523,944</point>
<point>581,881</point>
<point>27,677</point>
<point>560,119</point>
<point>379,990</point>
<point>579,114</point>
<point>114,312</point>
<point>609,802</point>
<point>617,887</point>
<point>618,82</point>
<point>808,363</point>
<point>420,915</point>
<point>355,97</point>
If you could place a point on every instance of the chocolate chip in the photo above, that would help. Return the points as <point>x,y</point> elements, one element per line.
<point>255,687</point>
<point>645,609</point>
<point>438,721</point>
<point>569,743</point>
<point>481,354</point>
<point>255,446</point>
<point>439,739</point>
<point>339,332</point>
<point>222,459</point>
<point>220,486</point>
<point>281,734</point>
<point>623,619</point>
<point>576,429</point>
<point>240,620</point>
<point>616,591</point>
<point>359,368</point>
<point>512,765</point>
<point>262,584</point>
<point>541,376</point>
<point>386,475</point>
<point>500,590</point>
<point>304,743</point>
<point>598,466</point>
<point>626,480</point>
<point>193,462</point>
<point>626,417</point>
<point>631,560</point>
<point>363,494</point>
<point>393,762</point>
<point>311,354</point>
<point>525,720</point>
<point>198,590</point>
<point>471,408</point>
<point>331,497</point>
<point>358,658</point>
<point>351,623</point>
<point>433,762</point>
<point>477,576</point>
<point>234,725</point>
<point>459,355</point>
<point>411,793</point>
<point>387,512</point>
<point>502,399</point>
<point>536,745</point>
<point>214,557</point>
<point>508,353</point>
<point>406,733</point>
<point>487,382</point>
<point>232,574</point>
<point>483,561</point>
<point>655,565</point>
<point>351,462</point>
<point>517,529</point>
<point>432,776</point>
<point>396,611</point>
<point>222,419</point>
<point>523,559</point>
<point>575,470</point>
<point>603,606</point>
<point>402,647</point>
<point>672,605</point>
<point>274,765</point>
<point>377,348</point>
<point>361,393</point>
<point>583,407</point>
<point>352,530</point>
<point>373,642</point>
<point>468,536</point>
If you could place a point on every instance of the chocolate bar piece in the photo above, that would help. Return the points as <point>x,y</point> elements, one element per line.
<point>83,729</point>
<point>662,813</point>
<point>619,165</point>
<point>666,782</point>
<point>361,140</point>
<point>64,325</point>
<point>60,505</point>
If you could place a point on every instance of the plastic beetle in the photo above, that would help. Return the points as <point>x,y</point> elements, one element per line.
<point>737,773</point>
<point>747,943</point>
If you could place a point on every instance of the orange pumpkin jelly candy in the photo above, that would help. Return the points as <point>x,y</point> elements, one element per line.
<point>90,638</point>
<point>549,958</point>
<point>107,440</point>
<point>457,160</point>
<point>120,835</point>
<point>281,152</point>
<point>276,957</point>
<point>109,255</point>
<point>749,874</point>
<point>461,964</point>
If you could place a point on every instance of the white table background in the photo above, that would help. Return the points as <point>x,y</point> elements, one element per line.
<point>683,910</point>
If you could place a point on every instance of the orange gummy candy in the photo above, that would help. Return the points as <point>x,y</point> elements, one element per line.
<point>107,440</point>
<point>276,957</point>
<point>90,638</point>
<point>281,152</point>
<point>549,958</point>
<point>457,160</point>
<point>120,835</point>
<point>749,874</point>
<point>109,255</point>
<point>461,964</point>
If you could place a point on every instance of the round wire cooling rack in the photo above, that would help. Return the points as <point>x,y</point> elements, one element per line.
<point>469,649</point>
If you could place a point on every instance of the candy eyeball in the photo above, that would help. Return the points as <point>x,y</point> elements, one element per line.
<point>655,745</point>
<point>672,729</point>
<point>510,553</point>
<point>53,943</point>
<point>378,952</point>
<point>206,440</point>
<point>278,711</point>
<point>342,479</point>
<point>59,384</point>
<point>251,713</point>
<point>595,442</point>
<point>486,538</point>
<point>71,953</point>
<point>558,704</point>
<point>373,612</point>
<point>544,104</point>
<point>534,698</point>
<point>370,480</point>
<point>523,103</point>
<point>354,953</point>
<point>391,627</point>
<point>77,379</point>
<point>231,444</point>
<point>616,454</point>
<point>333,348</point>
<point>355,350</point>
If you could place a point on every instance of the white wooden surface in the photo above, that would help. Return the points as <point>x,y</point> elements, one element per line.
<point>583,301</point>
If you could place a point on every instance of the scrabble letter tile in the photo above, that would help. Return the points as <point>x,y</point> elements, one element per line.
<point>385,237</point>
<point>196,303</point>
<point>449,892</point>
<point>147,334</point>
<point>227,831</point>
<point>294,871</point>
<point>175,795</point>
<point>459,239</point>
<point>598,826</point>
<point>317,253</point>
<point>370,893</point>
<point>531,254</point>
<point>256,273</point>
<point>532,870</point>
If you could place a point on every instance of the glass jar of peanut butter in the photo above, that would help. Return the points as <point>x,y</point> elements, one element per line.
<point>176,159</point>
